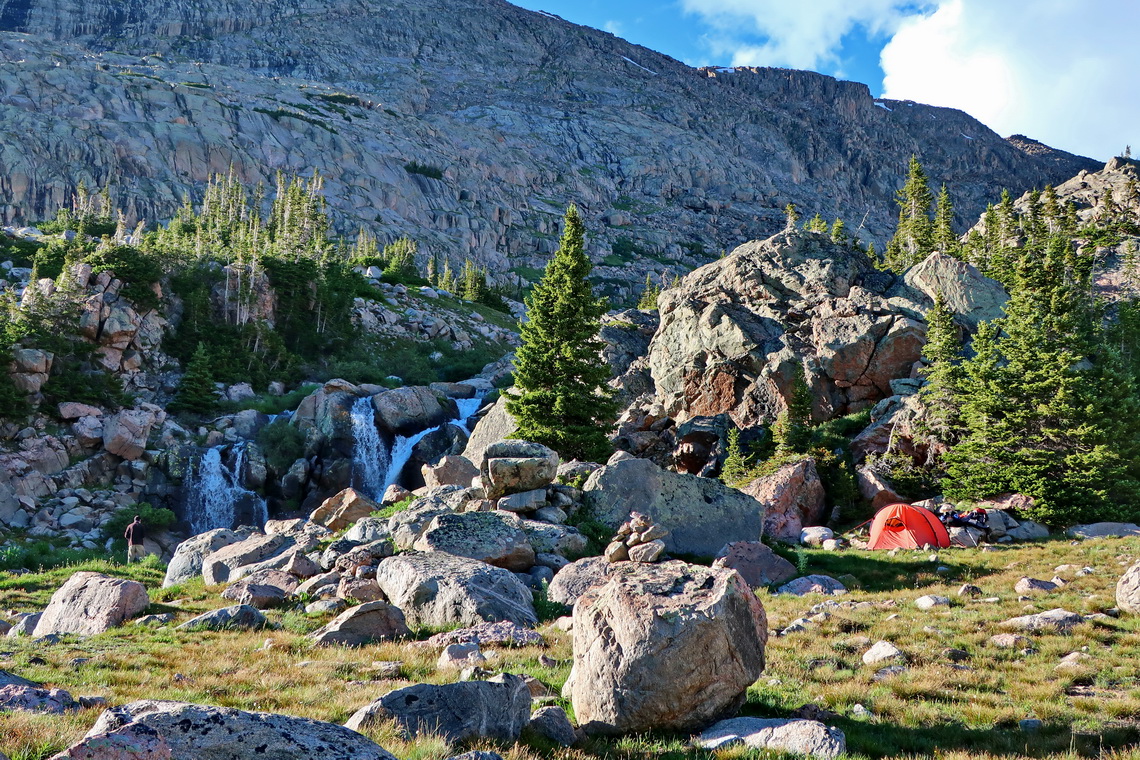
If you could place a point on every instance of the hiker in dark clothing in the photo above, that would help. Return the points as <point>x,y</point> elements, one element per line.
<point>135,534</point>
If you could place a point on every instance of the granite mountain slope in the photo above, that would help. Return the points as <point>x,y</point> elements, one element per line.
<point>520,113</point>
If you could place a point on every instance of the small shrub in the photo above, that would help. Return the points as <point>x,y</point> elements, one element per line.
<point>137,270</point>
<point>282,444</point>
<point>394,509</point>
<point>427,170</point>
<point>546,609</point>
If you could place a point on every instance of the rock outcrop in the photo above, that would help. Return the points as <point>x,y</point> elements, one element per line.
<point>734,332</point>
<point>665,646</point>
<point>793,499</point>
<point>699,514</point>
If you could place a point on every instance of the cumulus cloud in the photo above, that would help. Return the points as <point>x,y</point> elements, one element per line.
<point>801,35</point>
<point>1061,72</point>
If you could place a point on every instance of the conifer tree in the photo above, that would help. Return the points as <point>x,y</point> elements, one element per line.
<point>839,233</point>
<point>649,296</point>
<point>791,216</point>
<point>913,237</point>
<point>943,351</point>
<point>736,463</point>
<point>562,399</point>
<point>944,239</point>
<point>196,391</point>
<point>792,429</point>
<point>816,224</point>
<point>472,282</point>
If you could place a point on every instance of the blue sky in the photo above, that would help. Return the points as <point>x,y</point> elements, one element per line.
<point>1051,69</point>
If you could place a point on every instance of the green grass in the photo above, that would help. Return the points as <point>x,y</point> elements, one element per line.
<point>931,711</point>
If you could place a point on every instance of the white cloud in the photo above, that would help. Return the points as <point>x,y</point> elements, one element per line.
<point>1061,72</point>
<point>797,34</point>
<point>614,27</point>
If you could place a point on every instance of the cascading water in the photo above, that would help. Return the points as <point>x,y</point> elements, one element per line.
<point>216,494</point>
<point>369,458</point>
<point>402,447</point>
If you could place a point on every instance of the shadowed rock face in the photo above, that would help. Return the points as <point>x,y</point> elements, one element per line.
<point>520,112</point>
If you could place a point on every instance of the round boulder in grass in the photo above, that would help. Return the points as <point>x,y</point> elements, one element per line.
<point>667,646</point>
<point>91,603</point>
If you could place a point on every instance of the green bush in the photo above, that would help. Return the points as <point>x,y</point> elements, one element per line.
<point>138,271</point>
<point>154,519</point>
<point>44,555</point>
<point>282,444</point>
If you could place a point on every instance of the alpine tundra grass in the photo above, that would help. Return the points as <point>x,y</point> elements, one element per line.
<point>935,708</point>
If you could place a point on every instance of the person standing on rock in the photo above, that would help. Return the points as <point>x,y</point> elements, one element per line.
<point>135,534</point>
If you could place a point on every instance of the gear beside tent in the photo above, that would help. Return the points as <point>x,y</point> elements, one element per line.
<point>901,526</point>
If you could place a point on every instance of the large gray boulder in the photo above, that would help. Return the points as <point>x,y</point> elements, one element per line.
<point>204,732</point>
<point>700,514</point>
<point>186,563</point>
<point>498,709</point>
<point>1128,590</point>
<point>514,466</point>
<point>90,603</point>
<point>793,499</point>
<point>666,646</point>
<point>496,538</point>
<point>437,590</point>
<point>363,624</point>
<point>495,425</point>
<point>973,297</point>
<point>1104,530</point>
<point>221,566</point>
<point>404,411</point>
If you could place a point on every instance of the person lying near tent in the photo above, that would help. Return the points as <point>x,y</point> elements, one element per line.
<point>975,519</point>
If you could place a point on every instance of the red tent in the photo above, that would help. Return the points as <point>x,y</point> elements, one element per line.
<point>901,526</point>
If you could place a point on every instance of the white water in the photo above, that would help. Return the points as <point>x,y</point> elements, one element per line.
<point>369,458</point>
<point>215,491</point>
<point>402,447</point>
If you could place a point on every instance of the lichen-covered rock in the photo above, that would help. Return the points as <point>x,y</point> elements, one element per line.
<point>240,616</point>
<point>435,589</point>
<point>205,732</point>
<point>576,578</point>
<point>700,514</point>
<point>667,646</point>
<point>1055,621</point>
<point>793,737</point>
<point>757,564</point>
<point>496,538</point>
<point>498,708</point>
<point>90,603</point>
<point>221,566</point>
<point>133,741</point>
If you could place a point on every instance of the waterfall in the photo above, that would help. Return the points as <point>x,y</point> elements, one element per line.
<point>368,455</point>
<point>403,445</point>
<point>216,494</point>
<point>211,504</point>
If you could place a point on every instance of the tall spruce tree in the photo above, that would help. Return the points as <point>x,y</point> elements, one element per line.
<point>913,237</point>
<point>943,237</point>
<point>562,399</point>
<point>792,429</point>
<point>943,351</point>
<point>196,391</point>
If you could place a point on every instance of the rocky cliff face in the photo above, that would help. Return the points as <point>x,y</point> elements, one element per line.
<point>508,115</point>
